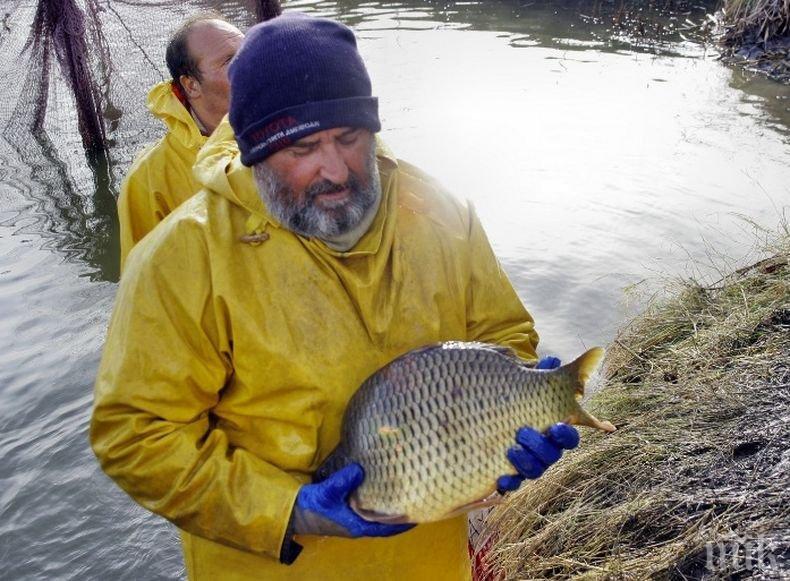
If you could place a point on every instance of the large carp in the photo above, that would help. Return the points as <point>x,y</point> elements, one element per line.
<point>431,428</point>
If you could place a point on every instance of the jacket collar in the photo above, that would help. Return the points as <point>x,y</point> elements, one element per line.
<point>165,105</point>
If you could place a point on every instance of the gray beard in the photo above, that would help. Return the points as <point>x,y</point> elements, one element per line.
<point>305,217</point>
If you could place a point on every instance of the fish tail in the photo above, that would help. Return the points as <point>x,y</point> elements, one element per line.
<point>584,366</point>
<point>581,417</point>
<point>580,371</point>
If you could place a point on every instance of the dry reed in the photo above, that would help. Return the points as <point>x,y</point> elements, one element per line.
<point>699,387</point>
<point>749,21</point>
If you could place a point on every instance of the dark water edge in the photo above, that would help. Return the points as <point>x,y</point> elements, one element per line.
<point>770,58</point>
<point>703,22</point>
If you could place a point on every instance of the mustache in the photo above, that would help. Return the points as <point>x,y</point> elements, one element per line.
<point>330,187</point>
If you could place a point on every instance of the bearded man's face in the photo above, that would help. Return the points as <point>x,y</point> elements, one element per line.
<point>324,185</point>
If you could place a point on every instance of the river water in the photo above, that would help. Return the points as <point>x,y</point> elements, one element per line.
<point>599,161</point>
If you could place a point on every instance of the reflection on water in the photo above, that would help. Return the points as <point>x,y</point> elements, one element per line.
<point>596,159</point>
<point>569,24</point>
<point>81,226</point>
<point>765,99</point>
<point>73,206</point>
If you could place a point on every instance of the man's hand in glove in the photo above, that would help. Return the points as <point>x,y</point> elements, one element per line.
<point>534,452</point>
<point>322,509</point>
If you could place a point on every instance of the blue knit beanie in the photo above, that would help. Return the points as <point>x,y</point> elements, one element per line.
<point>296,75</point>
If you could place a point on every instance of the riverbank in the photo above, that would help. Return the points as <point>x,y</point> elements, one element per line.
<point>752,34</point>
<point>771,58</point>
<point>694,482</point>
<point>756,34</point>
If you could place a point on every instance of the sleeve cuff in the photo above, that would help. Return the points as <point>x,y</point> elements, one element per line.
<point>290,549</point>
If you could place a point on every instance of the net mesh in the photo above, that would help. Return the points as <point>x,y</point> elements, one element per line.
<point>75,74</point>
<point>59,32</point>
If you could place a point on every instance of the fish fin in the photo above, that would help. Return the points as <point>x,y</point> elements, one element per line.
<point>581,417</point>
<point>584,366</point>
<point>372,515</point>
<point>491,500</point>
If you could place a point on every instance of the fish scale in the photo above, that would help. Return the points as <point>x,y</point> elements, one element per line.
<point>431,428</point>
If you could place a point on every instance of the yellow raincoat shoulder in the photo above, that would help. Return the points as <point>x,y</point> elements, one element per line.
<point>161,177</point>
<point>235,346</point>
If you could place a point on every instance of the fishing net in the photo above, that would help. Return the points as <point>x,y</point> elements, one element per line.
<point>74,75</point>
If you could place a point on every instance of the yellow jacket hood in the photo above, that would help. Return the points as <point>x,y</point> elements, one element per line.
<point>165,105</point>
<point>160,179</point>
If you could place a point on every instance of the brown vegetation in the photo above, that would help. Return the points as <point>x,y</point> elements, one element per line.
<point>755,20</point>
<point>757,33</point>
<point>694,483</point>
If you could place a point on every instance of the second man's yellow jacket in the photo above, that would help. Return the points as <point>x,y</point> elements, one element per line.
<point>161,177</point>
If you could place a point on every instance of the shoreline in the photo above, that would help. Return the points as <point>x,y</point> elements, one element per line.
<point>751,34</point>
<point>771,58</point>
<point>692,483</point>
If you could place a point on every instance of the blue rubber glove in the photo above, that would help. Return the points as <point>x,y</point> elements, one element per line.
<point>549,362</point>
<point>322,509</point>
<point>534,452</point>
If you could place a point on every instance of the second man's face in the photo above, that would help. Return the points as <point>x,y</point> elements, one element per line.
<point>213,44</point>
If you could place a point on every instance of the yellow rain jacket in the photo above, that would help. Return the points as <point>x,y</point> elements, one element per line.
<point>235,346</point>
<point>161,177</point>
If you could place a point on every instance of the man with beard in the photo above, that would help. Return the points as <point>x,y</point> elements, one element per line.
<point>191,105</point>
<point>245,322</point>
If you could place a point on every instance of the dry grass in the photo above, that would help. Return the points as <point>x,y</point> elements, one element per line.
<point>749,21</point>
<point>699,387</point>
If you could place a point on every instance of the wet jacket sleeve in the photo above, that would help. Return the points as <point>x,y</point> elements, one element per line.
<point>166,359</point>
<point>495,313</point>
<point>140,208</point>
